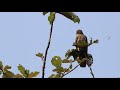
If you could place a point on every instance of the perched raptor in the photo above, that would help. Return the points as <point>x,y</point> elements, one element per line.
<point>81,42</point>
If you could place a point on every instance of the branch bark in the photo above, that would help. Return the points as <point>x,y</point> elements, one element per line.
<point>92,72</point>
<point>46,52</point>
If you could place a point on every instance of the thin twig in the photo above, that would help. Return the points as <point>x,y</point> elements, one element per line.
<point>42,59</point>
<point>89,44</point>
<point>44,62</point>
<point>91,72</point>
<point>70,71</point>
<point>69,67</point>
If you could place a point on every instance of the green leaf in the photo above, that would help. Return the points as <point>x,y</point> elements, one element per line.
<point>52,76</point>
<point>40,55</point>
<point>7,67</point>
<point>44,13</point>
<point>22,70</point>
<point>1,65</point>
<point>57,76</point>
<point>65,70</point>
<point>18,76</point>
<point>65,61</point>
<point>72,52</point>
<point>51,17</point>
<point>55,70</point>
<point>27,72</point>
<point>69,53</point>
<point>8,74</point>
<point>33,74</point>
<point>56,61</point>
<point>58,69</point>
<point>70,66</point>
<point>70,15</point>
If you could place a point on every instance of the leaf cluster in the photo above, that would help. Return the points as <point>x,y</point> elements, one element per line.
<point>24,73</point>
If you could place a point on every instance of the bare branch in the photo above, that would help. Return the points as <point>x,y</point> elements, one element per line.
<point>44,61</point>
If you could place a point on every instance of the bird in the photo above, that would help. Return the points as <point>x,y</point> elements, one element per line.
<point>81,41</point>
<point>81,44</point>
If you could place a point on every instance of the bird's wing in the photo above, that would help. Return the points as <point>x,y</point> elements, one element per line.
<point>76,40</point>
<point>86,48</point>
<point>86,40</point>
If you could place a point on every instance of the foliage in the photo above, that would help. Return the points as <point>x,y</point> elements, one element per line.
<point>56,61</point>
<point>82,62</point>
<point>40,55</point>
<point>70,15</point>
<point>25,73</point>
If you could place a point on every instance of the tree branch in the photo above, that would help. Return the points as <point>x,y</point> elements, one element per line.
<point>44,62</point>
<point>91,72</point>
<point>69,71</point>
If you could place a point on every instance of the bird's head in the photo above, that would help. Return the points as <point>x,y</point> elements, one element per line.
<point>79,31</point>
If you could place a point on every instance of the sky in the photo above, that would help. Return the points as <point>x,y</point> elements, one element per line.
<point>24,34</point>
